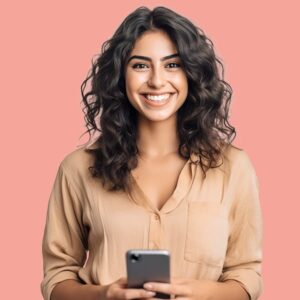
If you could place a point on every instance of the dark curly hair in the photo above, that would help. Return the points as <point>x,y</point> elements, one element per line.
<point>202,121</point>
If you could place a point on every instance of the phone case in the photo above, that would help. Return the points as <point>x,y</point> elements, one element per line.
<point>148,265</point>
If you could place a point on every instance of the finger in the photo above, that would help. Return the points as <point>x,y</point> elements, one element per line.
<point>133,293</point>
<point>122,280</point>
<point>177,298</point>
<point>155,298</point>
<point>166,288</point>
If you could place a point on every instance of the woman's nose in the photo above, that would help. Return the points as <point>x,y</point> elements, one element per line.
<point>156,79</point>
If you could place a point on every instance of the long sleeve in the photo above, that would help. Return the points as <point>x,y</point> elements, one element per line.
<point>64,240</point>
<point>244,253</point>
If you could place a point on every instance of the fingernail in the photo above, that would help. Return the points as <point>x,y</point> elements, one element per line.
<point>148,286</point>
<point>151,294</point>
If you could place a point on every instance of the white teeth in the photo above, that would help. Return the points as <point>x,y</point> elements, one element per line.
<point>157,97</point>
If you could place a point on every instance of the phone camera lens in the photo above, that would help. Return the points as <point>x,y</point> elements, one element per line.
<point>135,257</point>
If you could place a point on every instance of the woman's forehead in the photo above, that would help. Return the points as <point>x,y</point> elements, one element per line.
<point>156,44</point>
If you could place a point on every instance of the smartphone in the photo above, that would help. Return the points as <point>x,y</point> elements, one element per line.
<point>148,265</point>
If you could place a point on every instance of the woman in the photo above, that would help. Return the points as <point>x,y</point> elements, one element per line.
<point>162,174</point>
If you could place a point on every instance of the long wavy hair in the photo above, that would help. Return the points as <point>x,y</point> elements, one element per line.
<point>202,121</point>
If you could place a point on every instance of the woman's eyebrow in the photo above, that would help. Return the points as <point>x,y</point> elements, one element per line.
<point>149,59</point>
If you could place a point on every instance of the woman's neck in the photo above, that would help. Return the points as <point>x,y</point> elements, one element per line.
<point>157,138</point>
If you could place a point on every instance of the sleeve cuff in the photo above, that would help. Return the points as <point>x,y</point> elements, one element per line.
<point>47,285</point>
<point>250,280</point>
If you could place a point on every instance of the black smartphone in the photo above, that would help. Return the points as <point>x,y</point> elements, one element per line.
<point>148,265</point>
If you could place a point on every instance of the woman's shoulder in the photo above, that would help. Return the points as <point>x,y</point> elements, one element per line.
<point>236,159</point>
<point>76,162</point>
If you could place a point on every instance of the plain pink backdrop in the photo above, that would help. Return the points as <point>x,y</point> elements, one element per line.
<point>46,51</point>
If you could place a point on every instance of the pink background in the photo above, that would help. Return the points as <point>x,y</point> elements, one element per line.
<point>46,50</point>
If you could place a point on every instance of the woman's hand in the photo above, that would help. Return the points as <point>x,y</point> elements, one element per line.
<point>118,290</point>
<point>192,289</point>
<point>184,289</point>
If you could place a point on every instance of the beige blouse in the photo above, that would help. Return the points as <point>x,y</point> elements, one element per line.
<point>212,227</point>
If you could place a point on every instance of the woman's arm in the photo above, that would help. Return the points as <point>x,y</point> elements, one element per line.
<point>64,242</point>
<point>73,290</point>
<point>243,260</point>
<point>230,290</point>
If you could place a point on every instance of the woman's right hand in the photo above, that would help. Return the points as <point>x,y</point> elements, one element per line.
<point>119,290</point>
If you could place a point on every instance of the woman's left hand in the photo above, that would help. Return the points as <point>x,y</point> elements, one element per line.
<point>184,289</point>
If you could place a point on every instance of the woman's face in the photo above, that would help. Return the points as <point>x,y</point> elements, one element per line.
<point>156,84</point>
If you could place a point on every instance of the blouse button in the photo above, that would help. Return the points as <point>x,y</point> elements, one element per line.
<point>156,217</point>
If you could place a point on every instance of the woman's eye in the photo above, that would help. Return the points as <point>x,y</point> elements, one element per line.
<point>139,66</point>
<point>174,64</point>
<point>143,66</point>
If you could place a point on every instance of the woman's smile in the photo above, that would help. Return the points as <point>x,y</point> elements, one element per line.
<point>156,84</point>
<point>157,100</point>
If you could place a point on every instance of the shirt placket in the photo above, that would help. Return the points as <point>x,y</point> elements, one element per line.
<point>155,231</point>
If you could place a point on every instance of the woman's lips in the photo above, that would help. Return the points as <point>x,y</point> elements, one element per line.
<point>157,103</point>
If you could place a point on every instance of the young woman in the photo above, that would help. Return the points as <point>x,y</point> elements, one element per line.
<point>161,174</point>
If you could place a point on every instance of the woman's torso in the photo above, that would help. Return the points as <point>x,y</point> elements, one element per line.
<point>190,207</point>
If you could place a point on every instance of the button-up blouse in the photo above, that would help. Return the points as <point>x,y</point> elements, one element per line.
<point>212,226</point>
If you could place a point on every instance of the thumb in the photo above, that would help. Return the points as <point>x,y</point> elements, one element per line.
<point>122,280</point>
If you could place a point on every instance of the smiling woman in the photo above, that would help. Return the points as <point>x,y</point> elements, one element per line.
<point>162,174</point>
<point>137,61</point>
